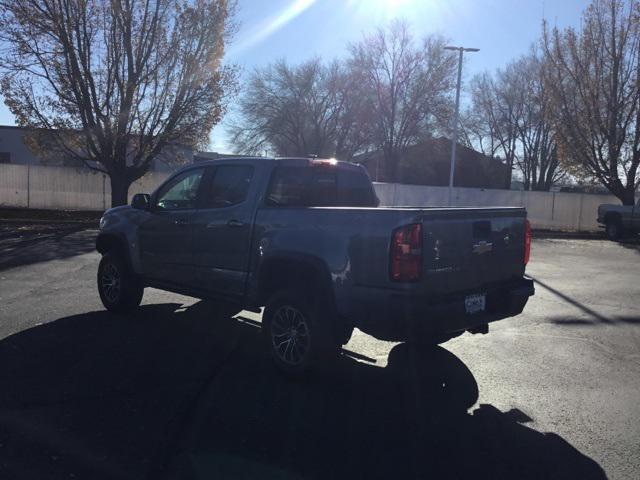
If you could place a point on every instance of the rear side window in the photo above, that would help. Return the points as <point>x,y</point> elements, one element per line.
<point>320,187</point>
<point>355,189</point>
<point>229,186</point>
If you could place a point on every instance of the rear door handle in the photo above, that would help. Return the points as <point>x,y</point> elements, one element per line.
<point>181,221</point>
<point>235,223</point>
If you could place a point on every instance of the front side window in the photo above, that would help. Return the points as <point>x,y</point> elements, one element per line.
<point>229,186</point>
<point>181,192</point>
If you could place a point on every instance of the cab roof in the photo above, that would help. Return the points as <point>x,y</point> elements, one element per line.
<point>285,161</point>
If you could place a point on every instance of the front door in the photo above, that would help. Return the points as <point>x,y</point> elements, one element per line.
<point>166,237</point>
<point>222,229</point>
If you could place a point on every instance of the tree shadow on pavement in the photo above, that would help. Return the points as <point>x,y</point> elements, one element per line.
<point>24,244</point>
<point>596,318</point>
<point>569,321</point>
<point>173,392</point>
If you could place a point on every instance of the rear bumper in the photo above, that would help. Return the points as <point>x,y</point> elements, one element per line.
<point>401,317</point>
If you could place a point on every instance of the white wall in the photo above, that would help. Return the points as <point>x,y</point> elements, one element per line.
<point>78,189</point>
<point>13,186</point>
<point>35,186</point>
<point>546,210</point>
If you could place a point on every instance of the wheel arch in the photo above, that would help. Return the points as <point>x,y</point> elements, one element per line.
<point>291,271</point>
<point>295,270</point>
<point>612,217</point>
<point>111,242</point>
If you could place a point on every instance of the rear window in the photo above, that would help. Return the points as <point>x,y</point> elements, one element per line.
<point>320,187</point>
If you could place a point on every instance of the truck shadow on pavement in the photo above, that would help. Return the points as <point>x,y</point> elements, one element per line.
<point>173,392</point>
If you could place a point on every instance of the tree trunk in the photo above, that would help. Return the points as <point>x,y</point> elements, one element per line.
<point>626,194</point>
<point>627,197</point>
<point>391,166</point>
<point>119,190</point>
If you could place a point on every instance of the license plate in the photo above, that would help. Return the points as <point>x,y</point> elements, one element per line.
<point>474,303</point>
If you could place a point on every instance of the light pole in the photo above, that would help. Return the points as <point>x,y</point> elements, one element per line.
<point>454,140</point>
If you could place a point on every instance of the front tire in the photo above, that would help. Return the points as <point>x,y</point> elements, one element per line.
<point>297,333</point>
<point>120,290</point>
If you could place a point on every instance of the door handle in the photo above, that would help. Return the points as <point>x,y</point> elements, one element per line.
<point>235,223</point>
<point>181,221</point>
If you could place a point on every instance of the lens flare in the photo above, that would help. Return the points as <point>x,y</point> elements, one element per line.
<point>271,25</point>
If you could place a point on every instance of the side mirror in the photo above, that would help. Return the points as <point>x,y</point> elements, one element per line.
<point>141,201</point>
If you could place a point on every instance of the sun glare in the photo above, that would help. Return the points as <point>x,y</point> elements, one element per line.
<point>272,24</point>
<point>381,11</point>
<point>384,7</point>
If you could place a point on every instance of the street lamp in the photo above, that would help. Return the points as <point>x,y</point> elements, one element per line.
<point>454,140</point>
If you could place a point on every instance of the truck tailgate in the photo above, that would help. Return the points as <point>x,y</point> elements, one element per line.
<point>467,250</point>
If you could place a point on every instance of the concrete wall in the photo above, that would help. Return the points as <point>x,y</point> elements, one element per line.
<point>546,210</point>
<point>32,186</point>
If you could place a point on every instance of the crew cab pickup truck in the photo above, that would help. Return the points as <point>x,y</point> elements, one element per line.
<point>618,220</point>
<point>307,240</point>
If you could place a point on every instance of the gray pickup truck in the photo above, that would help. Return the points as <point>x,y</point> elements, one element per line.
<point>306,240</point>
<point>618,220</point>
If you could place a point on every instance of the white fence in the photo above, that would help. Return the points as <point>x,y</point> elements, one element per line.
<point>62,187</point>
<point>546,210</point>
<point>79,189</point>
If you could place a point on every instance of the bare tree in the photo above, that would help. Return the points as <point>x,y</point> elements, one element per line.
<point>408,88</point>
<point>593,76</point>
<point>537,159</point>
<point>298,110</point>
<point>116,82</point>
<point>509,119</point>
<point>492,122</point>
<point>354,133</point>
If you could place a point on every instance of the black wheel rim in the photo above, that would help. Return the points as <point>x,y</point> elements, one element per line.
<point>290,335</point>
<point>110,280</point>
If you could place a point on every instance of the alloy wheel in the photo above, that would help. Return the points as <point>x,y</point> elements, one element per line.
<point>111,282</point>
<point>290,335</point>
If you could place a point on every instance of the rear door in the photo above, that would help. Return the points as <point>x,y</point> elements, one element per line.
<point>166,236</point>
<point>223,227</point>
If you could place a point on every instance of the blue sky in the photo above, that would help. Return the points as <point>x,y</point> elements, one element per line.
<point>299,29</point>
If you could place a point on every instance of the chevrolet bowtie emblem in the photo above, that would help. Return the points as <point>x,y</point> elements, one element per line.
<point>482,247</point>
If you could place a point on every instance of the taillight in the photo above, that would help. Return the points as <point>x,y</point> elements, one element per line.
<point>406,253</point>
<point>527,241</point>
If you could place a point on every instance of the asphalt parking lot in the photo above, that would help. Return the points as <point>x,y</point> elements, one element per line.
<point>181,390</point>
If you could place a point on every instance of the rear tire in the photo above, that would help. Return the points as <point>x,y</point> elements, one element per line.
<point>296,332</point>
<point>120,290</point>
<point>614,229</point>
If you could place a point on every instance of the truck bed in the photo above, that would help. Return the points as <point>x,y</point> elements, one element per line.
<point>465,250</point>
